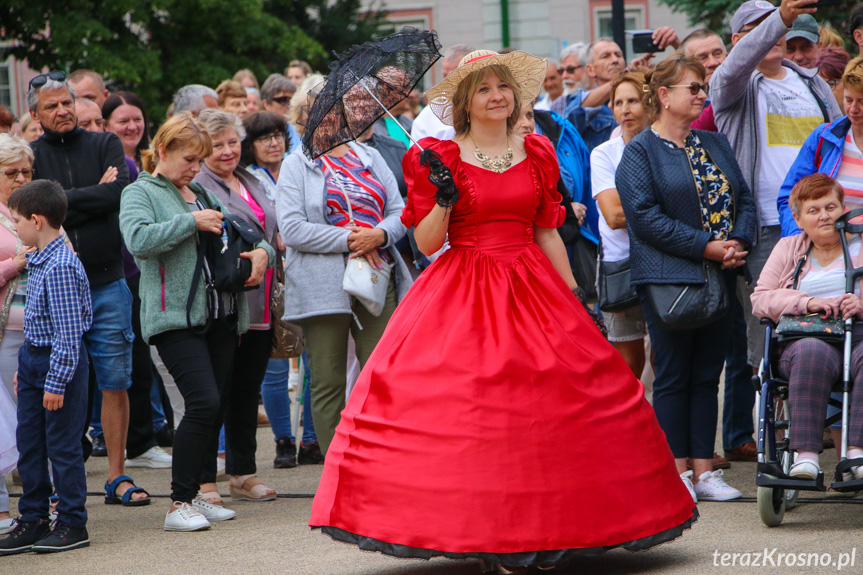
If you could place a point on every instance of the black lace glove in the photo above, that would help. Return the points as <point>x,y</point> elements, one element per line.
<point>440,176</point>
<point>594,315</point>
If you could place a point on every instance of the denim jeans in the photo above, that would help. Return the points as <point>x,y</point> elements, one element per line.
<point>44,435</point>
<point>109,340</point>
<point>277,400</point>
<point>159,420</point>
<point>737,424</point>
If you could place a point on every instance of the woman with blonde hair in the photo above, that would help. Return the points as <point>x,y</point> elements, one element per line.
<point>491,351</point>
<point>163,217</point>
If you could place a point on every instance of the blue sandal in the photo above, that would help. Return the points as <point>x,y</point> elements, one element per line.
<point>126,500</point>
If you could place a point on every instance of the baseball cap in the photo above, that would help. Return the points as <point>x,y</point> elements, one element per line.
<point>805,27</point>
<point>750,12</point>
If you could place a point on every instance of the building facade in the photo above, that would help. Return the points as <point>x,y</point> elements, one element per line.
<point>541,27</point>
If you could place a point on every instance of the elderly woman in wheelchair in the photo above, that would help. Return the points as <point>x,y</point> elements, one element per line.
<point>803,285</point>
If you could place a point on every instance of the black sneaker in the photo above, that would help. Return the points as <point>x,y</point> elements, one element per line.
<point>310,454</point>
<point>24,536</point>
<point>99,447</point>
<point>63,538</point>
<point>165,436</point>
<point>286,454</point>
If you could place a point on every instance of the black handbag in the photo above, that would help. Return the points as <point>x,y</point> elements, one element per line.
<point>228,270</point>
<point>615,291</point>
<point>689,306</point>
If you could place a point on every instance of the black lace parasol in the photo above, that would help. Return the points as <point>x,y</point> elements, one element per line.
<point>364,83</point>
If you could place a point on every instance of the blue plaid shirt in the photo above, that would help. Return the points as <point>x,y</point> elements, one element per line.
<point>58,310</point>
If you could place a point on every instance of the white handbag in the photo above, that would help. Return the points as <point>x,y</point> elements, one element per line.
<point>361,280</point>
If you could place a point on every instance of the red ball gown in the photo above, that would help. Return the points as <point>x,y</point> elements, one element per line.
<point>493,420</point>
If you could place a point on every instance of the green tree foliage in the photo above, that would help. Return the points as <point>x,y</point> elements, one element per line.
<point>716,14</point>
<point>153,47</point>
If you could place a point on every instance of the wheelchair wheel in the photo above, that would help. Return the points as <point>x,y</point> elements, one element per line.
<point>771,505</point>
<point>791,499</point>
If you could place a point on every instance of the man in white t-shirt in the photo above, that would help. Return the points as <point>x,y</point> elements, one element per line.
<point>767,106</point>
<point>426,124</point>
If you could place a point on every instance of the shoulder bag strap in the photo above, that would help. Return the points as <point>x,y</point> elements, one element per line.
<point>799,267</point>
<point>335,177</point>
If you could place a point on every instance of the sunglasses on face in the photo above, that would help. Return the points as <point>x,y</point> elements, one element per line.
<point>42,79</point>
<point>283,100</point>
<point>694,88</point>
<point>569,69</point>
<point>13,174</point>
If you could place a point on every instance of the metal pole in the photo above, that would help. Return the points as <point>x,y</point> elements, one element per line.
<point>618,24</point>
<point>504,23</point>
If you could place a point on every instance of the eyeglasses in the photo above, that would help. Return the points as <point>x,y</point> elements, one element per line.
<point>694,88</point>
<point>275,137</point>
<point>833,83</point>
<point>13,174</point>
<point>282,99</point>
<point>42,79</point>
<point>569,69</point>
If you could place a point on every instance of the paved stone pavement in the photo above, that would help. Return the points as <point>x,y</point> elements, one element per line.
<point>273,537</point>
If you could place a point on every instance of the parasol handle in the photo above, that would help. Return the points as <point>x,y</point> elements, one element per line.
<point>399,124</point>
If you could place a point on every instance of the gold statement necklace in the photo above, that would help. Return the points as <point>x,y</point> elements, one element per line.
<point>498,164</point>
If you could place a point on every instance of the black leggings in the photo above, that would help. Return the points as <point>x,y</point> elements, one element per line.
<point>200,365</point>
<point>241,401</point>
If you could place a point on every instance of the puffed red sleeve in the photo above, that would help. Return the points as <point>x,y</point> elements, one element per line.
<point>540,151</point>
<point>421,192</point>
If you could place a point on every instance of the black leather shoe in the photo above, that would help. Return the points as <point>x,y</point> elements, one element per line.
<point>99,447</point>
<point>24,536</point>
<point>165,436</point>
<point>63,538</point>
<point>286,454</point>
<point>310,454</point>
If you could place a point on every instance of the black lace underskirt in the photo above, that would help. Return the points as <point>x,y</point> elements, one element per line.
<point>520,559</point>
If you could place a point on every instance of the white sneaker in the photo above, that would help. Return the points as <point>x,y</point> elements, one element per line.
<point>293,380</point>
<point>212,511</point>
<point>184,517</point>
<point>711,487</point>
<point>687,481</point>
<point>7,525</point>
<point>154,458</point>
<point>805,469</point>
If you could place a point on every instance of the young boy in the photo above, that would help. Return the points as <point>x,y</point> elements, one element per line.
<point>52,377</point>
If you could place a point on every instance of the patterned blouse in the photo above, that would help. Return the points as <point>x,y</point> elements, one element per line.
<point>714,189</point>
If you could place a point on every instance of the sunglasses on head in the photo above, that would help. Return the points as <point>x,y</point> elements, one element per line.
<point>694,87</point>
<point>42,79</point>
<point>282,99</point>
<point>569,69</point>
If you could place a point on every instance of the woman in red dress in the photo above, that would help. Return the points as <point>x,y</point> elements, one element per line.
<point>492,415</point>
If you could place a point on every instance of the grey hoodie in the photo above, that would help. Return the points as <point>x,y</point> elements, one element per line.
<point>316,249</point>
<point>734,93</point>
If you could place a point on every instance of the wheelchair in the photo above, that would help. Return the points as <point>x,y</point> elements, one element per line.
<point>777,490</point>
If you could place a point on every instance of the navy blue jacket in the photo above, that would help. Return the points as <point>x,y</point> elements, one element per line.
<point>663,208</point>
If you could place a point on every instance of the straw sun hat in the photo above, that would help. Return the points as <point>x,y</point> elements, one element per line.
<point>529,72</point>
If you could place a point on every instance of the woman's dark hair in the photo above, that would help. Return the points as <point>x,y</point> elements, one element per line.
<point>43,198</point>
<point>257,125</point>
<point>116,100</point>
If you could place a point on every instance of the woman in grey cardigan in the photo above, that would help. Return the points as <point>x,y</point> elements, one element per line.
<point>243,195</point>
<point>313,219</point>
